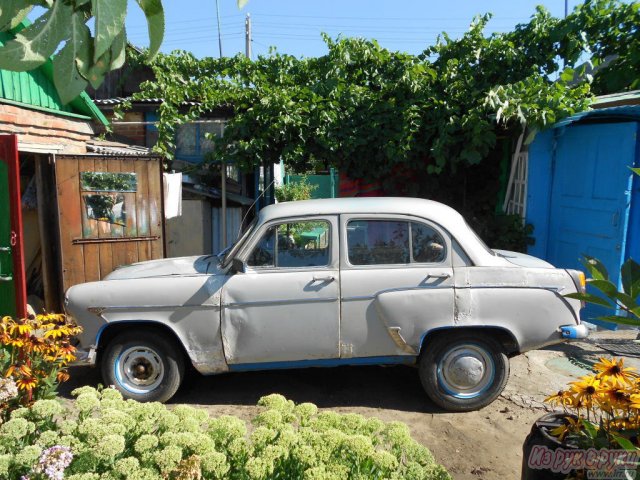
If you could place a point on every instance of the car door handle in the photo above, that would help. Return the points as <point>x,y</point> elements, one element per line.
<point>6,278</point>
<point>5,249</point>
<point>438,275</point>
<point>328,279</point>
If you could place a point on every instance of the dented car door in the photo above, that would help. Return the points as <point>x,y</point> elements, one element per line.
<point>284,306</point>
<point>397,283</point>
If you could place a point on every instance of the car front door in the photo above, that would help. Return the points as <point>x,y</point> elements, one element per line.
<point>396,284</point>
<point>285,306</point>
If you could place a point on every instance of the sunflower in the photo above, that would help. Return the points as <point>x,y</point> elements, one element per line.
<point>585,390</point>
<point>615,372</point>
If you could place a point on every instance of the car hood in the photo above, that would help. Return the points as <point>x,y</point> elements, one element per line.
<point>522,259</point>
<point>195,265</point>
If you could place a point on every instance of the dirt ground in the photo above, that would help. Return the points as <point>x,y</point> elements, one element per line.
<point>485,444</point>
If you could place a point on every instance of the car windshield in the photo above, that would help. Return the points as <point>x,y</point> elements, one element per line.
<point>228,253</point>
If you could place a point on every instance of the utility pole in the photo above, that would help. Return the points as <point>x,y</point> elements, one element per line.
<point>247,36</point>
<point>566,8</point>
<point>219,31</point>
<point>223,164</point>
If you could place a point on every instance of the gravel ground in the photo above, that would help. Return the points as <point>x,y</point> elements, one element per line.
<point>485,444</point>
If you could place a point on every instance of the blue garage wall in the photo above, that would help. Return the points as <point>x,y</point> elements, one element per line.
<point>539,190</point>
<point>633,235</point>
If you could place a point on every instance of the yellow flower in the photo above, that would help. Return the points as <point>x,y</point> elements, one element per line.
<point>615,372</point>
<point>570,425</point>
<point>635,401</point>
<point>27,383</point>
<point>613,396</point>
<point>20,328</point>
<point>561,398</point>
<point>18,368</point>
<point>585,389</point>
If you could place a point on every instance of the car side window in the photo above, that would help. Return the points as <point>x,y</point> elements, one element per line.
<point>293,245</point>
<point>427,245</point>
<point>389,242</point>
<point>376,242</point>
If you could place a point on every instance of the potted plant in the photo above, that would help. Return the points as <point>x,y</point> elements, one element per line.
<point>595,435</point>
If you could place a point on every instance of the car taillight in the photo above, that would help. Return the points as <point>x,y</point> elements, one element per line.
<point>582,282</point>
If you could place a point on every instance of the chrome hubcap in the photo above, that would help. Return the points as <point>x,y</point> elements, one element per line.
<point>140,369</point>
<point>466,371</point>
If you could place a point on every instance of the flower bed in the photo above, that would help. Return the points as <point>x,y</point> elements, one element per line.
<point>105,437</point>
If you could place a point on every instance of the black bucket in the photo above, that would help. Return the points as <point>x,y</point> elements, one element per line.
<point>540,436</point>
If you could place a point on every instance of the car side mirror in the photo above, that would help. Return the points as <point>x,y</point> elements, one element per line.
<point>237,265</point>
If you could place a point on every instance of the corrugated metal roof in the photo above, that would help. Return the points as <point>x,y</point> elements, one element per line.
<point>117,149</point>
<point>620,97</point>
<point>119,100</point>
<point>35,89</point>
<point>625,113</point>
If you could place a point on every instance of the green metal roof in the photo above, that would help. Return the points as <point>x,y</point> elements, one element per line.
<point>35,89</point>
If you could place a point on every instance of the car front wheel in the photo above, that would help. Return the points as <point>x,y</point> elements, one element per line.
<point>463,372</point>
<point>143,366</point>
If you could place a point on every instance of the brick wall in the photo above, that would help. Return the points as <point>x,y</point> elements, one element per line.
<point>33,126</point>
<point>134,133</point>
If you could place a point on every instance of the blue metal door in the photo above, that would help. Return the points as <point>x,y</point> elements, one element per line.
<point>590,197</point>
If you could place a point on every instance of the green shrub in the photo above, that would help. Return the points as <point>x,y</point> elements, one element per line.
<point>103,437</point>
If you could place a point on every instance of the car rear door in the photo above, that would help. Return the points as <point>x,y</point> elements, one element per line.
<point>397,283</point>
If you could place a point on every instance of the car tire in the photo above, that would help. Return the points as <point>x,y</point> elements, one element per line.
<point>463,371</point>
<point>143,366</point>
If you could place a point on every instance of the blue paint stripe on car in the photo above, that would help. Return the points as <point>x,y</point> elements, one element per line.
<point>328,362</point>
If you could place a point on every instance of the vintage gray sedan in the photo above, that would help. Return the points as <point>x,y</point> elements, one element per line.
<point>320,283</point>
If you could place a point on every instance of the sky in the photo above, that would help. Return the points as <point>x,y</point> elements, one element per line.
<point>294,26</point>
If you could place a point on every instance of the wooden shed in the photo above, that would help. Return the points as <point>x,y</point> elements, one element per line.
<point>72,207</point>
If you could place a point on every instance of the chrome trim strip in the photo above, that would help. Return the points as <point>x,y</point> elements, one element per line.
<point>397,289</point>
<point>363,297</point>
<point>280,302</point>
<point>139,307</point>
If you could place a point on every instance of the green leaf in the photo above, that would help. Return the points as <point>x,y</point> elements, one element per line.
<point>12,12</point>
<point>589,298</point>
<point>96,72</point>
<point>596,268</point>
<point>630,273</point>
<point>605,286</point>
<point>66,75</point>
<point>589,427</point>
<point>242,3</point>
<point>35,44</point>
<point>636,171</point>
<point>118,51</point>
<point>624,443</point>
<point>155,21</point>
<point>110,16</point>
<point>620,320</point>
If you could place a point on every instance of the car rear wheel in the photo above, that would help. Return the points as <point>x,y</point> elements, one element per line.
<point>462,372</point>
<point>143,366</point>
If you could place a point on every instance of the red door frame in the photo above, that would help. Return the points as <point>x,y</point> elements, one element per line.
<point>9,155</point>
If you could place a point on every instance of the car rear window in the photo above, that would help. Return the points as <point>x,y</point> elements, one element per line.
<point>392,242</point>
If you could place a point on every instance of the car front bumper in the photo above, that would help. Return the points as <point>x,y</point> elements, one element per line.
<point>574,332</point>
